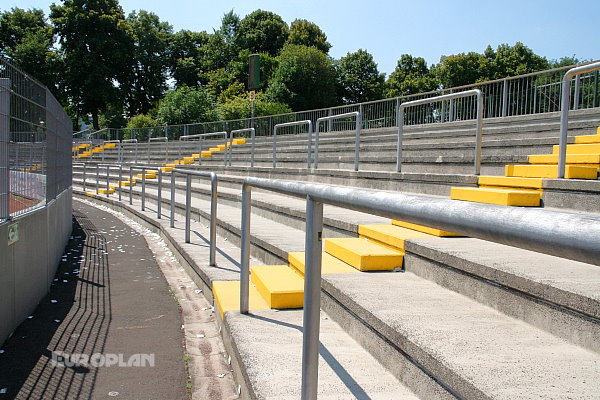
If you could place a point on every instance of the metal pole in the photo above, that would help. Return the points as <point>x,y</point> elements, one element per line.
<point>312,299</point>
<point>400,119</point>
<point>245,248</point>
<point>479,133</point>
<point>188,206</point>
<point>4,144</point>
<point>130,185</point>
<point>316,163</point>
<point>84,168</point>
<point>213,219</point>
<point>107,180</point>
<point>309,147</point>
<point>577,92</point>
<point>159,203</point>
<point>357,141</point>
<point>97,178</point>
<point>226,151</point>
<point>120,180</point>
<point>564,125</point>
<point>172,199</point>
<point>143,188</point>
<point>252,155</point>
<point>505,98</point>
<point>275,147</point>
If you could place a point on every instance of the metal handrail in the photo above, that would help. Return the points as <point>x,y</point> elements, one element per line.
<point>561,234</point>
<point>144,168</point>
<point>295,123</point>
<point>201,136</point>
<point>564,111</point>
<point>358,117</point>
<point>478,126</point>
<point>252,135</point>
<point>188,201</point>
<point>108,167</point>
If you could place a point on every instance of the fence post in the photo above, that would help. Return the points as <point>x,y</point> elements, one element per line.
<point>4,142</point>
<point>130,185</point>
<point>312,299</point>
<point>245,249</point>
<point>577,92</point>
<point>213,220</point>
<point>505,98</point>
<point>188,206</point>
<point>159,203</point>
<point>172,199</point>
<point>107,180</point>
<point>143,189</point>
<point>120,180</point>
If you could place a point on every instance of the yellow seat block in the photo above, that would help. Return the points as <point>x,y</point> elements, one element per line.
<point>148,176</point>
<point>511,181</point>
<point>187,160</point>
<point>503,197</point>
<point>110,145</point>
<point>587,139</point>
<point>127,183</point>
<point>104,190</point>
<point>551,171</point>
<point>177,162</point>
<point>172,165</point>
<point>227,297</point>
<point>239,141</point>
<point>196,156</point>
<point>279,285</point>
<point>363,254</point>
<point>422,228</point>
<point>166,169</point>
<point>89,194</point>
<point>206,154</point>
<point>214,149</point>
<point>329,264</point>
<point>390,235</point>
<point>579,148</point>
<point>571,159</point>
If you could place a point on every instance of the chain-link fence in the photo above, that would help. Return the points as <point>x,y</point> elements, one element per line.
<point>35,143</point>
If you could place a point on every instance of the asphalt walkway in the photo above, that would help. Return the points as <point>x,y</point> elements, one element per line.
<point>109,329</point>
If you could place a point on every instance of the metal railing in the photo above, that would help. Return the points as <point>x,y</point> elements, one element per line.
<point>565,104</point>
<point>108,167</point>
<point>200,137</point>
<point>561,234</point>
<point>159,139</point>
<point>357,115</point>
<point>143,169</point>
<point>452,96</point>
<point>288,124</point>
<point>252,132</point>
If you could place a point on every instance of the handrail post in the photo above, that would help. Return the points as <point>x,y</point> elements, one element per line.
<point>130,185</point>
<point>253,132</point>
<point>107,180</point>
<point>143,189</point>
<point>400,119</point>
<point>226,151</point>
<point>275,146</point>
<point>312,299</point>
<point>357,141</point>
<point>505,98</point>
<point>479,133</point>
<point>172,200</point>
<point>309,147</point>
<point>316,162</point>
<point>188,206</point>
<point>213,219</point>
<point>245,249</point>
<point>97,178</point>
<point>159,195</point>
<point>120,180</point>
<point>84,168</point>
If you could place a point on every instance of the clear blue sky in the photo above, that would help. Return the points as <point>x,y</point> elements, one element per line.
<point>389,28</point>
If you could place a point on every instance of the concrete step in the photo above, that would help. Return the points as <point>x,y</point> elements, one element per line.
<point>279,285</point>
<point>363,254</point>
<point>551,171</point>
<point>227,297</point>
<point>425,229</point>
<point>329,264</point>
<point>503,197</point>
<point>390,235</point>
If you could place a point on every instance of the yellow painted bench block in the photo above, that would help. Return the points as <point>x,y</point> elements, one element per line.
<point>177,162</point>
<point>571,159</point>
<point>166,169</point>
<point>390,235</point>
<point>89,194</point>
<point>196,156</point>
<point>551,171</point>
<point>98,150</point>
<point>511,181</point>
<point>214,149</point>
<point>363,254</point>
<point>110,145</point>
<point>127,183</point>
<point>587,139</point>
<point>104,190</point>
<point>579,149</point>
<point>422,228</point>
<point>171,165</point>
<point>239,141</point>
<point>148,176</point>
<point>503,197</point>
<point>279,285</point>
<point>227,297</point>
<point>329,264</point>
<point>187,160</point>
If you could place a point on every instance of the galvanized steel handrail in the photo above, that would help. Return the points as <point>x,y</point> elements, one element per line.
<point>358,128</point>
<point>478,126</point>
<point>108,167</point>
<point>561,234</point>
<point>564,111</point>
<point>145,168</point>
<point>295,123</point>
<point>201,136</point>
<point>188,205</point>
<point>252,135</point>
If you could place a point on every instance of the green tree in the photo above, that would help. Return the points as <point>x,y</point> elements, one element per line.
<point>308,34</point>
<point>411,76</point>
<point>461,69</point>
<point>358,77</point>
<point>147,78</point>
<point>513,60</point>
<point>186,105</point>
<point>138,127</point>
<point>187,58</point>
<point>304,79</point>
<point>262,32</point>
<point>96,51</point>
<point>239,107</point>
<point>27,40</point>
<point>113,116</point>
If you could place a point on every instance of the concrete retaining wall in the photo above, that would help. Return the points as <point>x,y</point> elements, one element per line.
<point>27,266</point>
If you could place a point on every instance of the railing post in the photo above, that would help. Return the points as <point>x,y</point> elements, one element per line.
<point>275,147</point>
<point>309,146</point>
<point>97,178</point>
<point>253,133</point>
<point>479,133</point>
<point>107,180</point>
<point>400,119</point>
<point>4,143</point>
<point>316,162</point>
<point>312,299</point>
<point>213,220</point>
<point>120,180</point>
<point>564,124</point>
<point>172,199</point>
<point>159,195</point>
<point>357,141</point>
<point>505,98</point>
<point>130,185</point>
<point>577,92</point>
<point>143,189</point>
<point>188,206</point>
<point>84,168</point>
<point>245,249</point>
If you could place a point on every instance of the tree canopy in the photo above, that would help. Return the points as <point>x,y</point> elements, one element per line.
<point>358,77</point>
<point>308,34</point>
<point>261,32</point>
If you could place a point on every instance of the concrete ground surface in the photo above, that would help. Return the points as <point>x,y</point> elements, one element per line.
<point>109,301</point>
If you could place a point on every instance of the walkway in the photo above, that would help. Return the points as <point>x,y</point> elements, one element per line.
<point>110,302</point>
